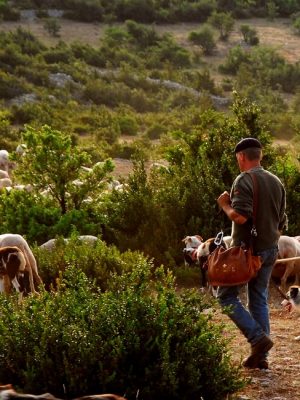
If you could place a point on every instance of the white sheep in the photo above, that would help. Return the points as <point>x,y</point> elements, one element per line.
<point>21,148</point>
<point>4,160</point>
<point>50,244</point>
<point>3,174</point>
<point>5,182</point>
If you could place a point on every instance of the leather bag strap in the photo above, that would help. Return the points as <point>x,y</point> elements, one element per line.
<point>255,201</point>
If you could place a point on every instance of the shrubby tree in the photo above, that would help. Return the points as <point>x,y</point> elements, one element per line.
<point>51,162</point>
<point>249,35</point>
<point>204,38</point>
<point>223,21</point>
<point>296,25</point>
<point>52,26</point>
<point>272,10</point>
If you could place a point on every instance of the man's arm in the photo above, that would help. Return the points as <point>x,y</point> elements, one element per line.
<point>225,203</point>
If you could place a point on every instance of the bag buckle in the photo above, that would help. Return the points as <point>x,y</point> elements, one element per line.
<point>219,238</point>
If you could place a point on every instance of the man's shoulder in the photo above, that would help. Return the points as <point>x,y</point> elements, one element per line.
<point>242,179</point>
<point>269,175</point>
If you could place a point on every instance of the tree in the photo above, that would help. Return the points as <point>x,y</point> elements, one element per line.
<point>52,162</point>
<point>249,35</point>
<point>272,10</point>
<point>204,38</point>
<point>223,21</point>
<point>296,25</point>
<point>52,26</point>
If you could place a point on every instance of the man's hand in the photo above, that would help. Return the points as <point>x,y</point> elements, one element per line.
<point>225,203</point>
<point>224,199</point>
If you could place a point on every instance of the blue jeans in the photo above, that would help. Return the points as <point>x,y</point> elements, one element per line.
<point>254,322</point>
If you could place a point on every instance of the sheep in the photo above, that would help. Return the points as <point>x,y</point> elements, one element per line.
<point>4,160</point>
<point>288,248</point>
<point>21,148</point>
<point>3,174</point>
<point>50,244</point>
<point>11,239</point>
<point>5,182</point>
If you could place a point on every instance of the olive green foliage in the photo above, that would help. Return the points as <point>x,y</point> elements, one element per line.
<point>157,210</point>
<point>8,136</point>
<point>287,168</point>
<point>272,10</point>
<point>52,163</point>
<point>23,213</point>
<point>249,35</point>
<point>138,335</point>
<point>148,11</point>
<point>98,261</point>
<point>265,66</point>
<point>296,25</point>
<point>224,22</point>
<point>204,38</point>
<point>52,26</point>
<point>150,49</point>
<point>39,218</point>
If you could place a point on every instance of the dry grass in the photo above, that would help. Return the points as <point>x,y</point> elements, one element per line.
<point>278,34</point>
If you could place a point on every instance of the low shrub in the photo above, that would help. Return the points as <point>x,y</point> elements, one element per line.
<point>138,336</point>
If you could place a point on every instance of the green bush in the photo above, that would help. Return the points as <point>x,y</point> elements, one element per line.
<point>11,86</point>
<point>138,335</point>
<point>223,21</point>
<point>52,26</point>
<point>204,38</point>
<point>128,125</point>
<point>249,35</point>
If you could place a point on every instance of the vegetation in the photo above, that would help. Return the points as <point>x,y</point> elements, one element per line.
<point>137,335</point>
<point>148,11</point>
<point>141,95</point>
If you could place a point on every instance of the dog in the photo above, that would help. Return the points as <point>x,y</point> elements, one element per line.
<point>107,396</point>
<point>7,392</point>
<point>191,245</point>
<point>292,301</point>
<point>12,269</point>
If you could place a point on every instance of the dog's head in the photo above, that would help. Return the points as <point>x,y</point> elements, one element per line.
<point>189,252</point>
<point>294,296</point>
<point>192,241</point>
<point>293,299</point>
<point>206,248</point>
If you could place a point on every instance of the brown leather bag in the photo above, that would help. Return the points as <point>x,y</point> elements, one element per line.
<point>233,266</point>
<point>236,265</point>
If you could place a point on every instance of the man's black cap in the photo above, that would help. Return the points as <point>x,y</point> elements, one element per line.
<point>246,143</point>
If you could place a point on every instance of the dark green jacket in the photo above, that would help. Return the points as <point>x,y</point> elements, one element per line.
<point>271,203</point>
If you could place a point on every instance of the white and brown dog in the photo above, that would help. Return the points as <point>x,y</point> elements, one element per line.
<point>7,392</point>
<point>292,301</point>
<point>12,268</point>
<point>191,245</point>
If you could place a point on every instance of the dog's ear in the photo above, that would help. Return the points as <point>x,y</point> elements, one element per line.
<point>199,238</point>
<point>293,292</point>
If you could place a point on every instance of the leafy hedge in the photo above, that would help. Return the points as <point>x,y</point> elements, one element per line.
<point>140,336</point>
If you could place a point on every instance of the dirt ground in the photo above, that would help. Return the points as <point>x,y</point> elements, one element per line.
<point>278,34</point>
<point>282,380</point>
